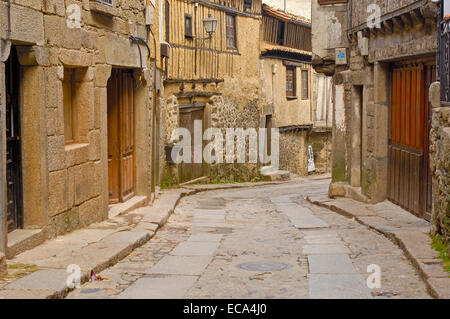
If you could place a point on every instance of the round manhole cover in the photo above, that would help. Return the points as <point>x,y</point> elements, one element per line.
<point>264,266</point>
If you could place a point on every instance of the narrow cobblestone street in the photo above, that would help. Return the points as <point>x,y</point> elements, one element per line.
<point>260,242</point>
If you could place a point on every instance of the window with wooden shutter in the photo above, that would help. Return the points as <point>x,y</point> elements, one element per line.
<point>188,26</point>
<point>231,31</point>
<point>290,81</point>
<point>305,85</point>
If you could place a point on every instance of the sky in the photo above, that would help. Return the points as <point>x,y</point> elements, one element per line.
<point>297,7</point>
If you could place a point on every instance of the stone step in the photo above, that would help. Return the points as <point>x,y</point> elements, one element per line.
<point>21,240</point>
<point>272,174</point>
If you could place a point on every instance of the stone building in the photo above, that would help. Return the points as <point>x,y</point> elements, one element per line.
<point>290,89</point>
<point>382,56</point>
<point>440,132</point>
<point>77,96</point>
<point>211,78</point>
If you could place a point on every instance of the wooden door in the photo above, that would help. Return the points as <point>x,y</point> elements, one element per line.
<point>409,176</point>
<point>13,145</point>
<point>190,171</point>
<point>121,134</point>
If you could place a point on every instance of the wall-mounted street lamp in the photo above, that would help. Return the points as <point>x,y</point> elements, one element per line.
<point>210,24</point>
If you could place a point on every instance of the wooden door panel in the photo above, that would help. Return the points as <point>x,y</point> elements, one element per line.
<point>121,135</point>
<point>409,180</point>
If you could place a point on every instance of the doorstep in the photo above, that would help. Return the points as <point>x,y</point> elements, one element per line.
<point>126,207</point>
<point>409,232</point>
<point>20,240</point>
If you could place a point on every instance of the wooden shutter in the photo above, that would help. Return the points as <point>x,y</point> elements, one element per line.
<point>290,81</point>
<point>231,31</point>
<point>305,84</point>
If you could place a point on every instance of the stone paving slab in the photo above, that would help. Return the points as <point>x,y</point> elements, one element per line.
<point>407,230</point>
<point>301,217</point>
<point>325,249</point>
<point>170,287</point>
<point>194,249</point>
<point>319,233</point>
<point>325,240</point>
<point>205,238</point>
<point>181,265</point>
<point>337,286</point>
<point>330,264</point>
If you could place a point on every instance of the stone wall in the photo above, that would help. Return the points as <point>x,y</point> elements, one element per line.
<point>322,149</point>
<point>440,165</point>
<point>65,186</point>
<point>293,152</point>
<point>227,114</point>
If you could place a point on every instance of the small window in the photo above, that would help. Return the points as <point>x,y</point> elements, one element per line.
<point>108,2</point>
<point>305,85</point>
<point>188,26</point>
<point>231,31</point>
<point>247,5</point>
<point>68,85</point>
<point>280,33</point>
<point>290,81</point>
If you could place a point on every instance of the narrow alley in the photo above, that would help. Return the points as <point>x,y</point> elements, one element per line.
<point>259,242</point>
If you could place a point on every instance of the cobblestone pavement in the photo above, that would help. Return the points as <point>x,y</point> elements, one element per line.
<point>261,242</point>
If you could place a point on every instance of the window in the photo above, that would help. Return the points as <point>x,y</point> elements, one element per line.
<point>247,5</point>
<point>305,85</point>
<point>231,31</point>
<point>290,81</point>
<point>68,85</point>
<point>108,2</point>
<point>280,33</point>
<point>188,26</point>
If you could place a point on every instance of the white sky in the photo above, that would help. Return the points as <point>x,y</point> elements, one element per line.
<point>297,7</point>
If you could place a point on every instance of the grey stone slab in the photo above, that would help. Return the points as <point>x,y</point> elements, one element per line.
<point>170,287</point>
<point>325,240</point>
<point>46,279</point>
<point>209,238</point>
<point>195,249</point>
<point>203,223</point>
<point>325,249</point>
<point>301,217</point>
<point>198,211</point>
<point>330,264</point>
<point>337,286</point>
<point>319,233</point>
<point>308,222</point>
<point>181,265</point>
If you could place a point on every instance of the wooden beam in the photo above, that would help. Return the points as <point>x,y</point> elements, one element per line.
<point>398,24</point>
<point>417,19</point>
<point>388,26</point>
<point>407,21</point>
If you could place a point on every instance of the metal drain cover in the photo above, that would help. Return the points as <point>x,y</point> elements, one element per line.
<point>264,266</point>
